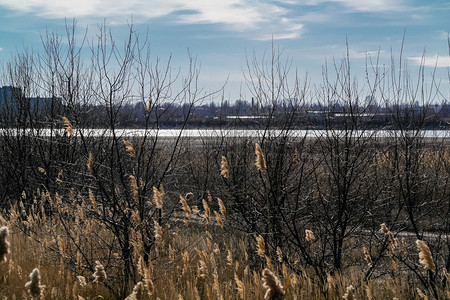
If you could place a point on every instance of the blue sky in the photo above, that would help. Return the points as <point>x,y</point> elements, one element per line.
<point>220,33</point>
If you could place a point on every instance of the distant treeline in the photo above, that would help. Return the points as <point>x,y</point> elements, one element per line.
<point>240,113</point>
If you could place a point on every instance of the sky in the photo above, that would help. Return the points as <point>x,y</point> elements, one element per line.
<point>224,34</point>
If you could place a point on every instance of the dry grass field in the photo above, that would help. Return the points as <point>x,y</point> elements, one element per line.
<point>73,256</point>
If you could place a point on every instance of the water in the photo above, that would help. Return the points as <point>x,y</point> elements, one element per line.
<point>215,133</point>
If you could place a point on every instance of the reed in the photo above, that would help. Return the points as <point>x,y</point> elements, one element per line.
<point>260,161</point>
<point>129,148</point>
<point>4,244</point>
<point>273,287</point>
<point>99,274</point>
<point>34,286</point>
<point>224,168</point>
<point>426,259</point>
<point>68,129</point>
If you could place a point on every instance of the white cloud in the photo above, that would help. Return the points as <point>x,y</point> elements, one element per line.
<point>443,35</point>
<point>292,31</point>
<point>365,5</point>
<point>1,49</point>
<point>432,61</point>
<point>86,8</point>
<point>251,16</point>
<point>366,54</point>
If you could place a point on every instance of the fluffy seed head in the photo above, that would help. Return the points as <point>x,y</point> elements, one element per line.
<point>273,287</point>
<point>158,196</point>
<point>34,286</point>
<point>224,168</point>
<point>207,214</point>
<point>384,229</point>
<point>92,198</point>
<point>349,293</point>
<point>138,293</point>
<point>67,126</point>
<point>130,149</point>
<point>260,162</point>
<point>90,163</point>
<point>309,235</point>
<point>81,281</point>
<point>219,219</point>
<point>149,105</point>
<point>222,208</point>
<point>260,246</point>
<point>99,274</point>
<point>240,286</point>
<point>158,233</point>
<point>134,187</point>
<point>4,244</point>
<point>185,207</point>
<point>279,254</point>
<point>367,257</point>
<point>425,256</point>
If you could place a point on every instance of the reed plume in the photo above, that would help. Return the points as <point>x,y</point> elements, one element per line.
<point>187,210</point>
<point>273,287</point>
<point>130,149</point>
<point>422,294</point>
<point>367,257</point>
<point>240,286</point>
<point>148,281</point>
<point>229,258</point>
<point>203,269</point>
<point>92,198</point>
<point>222,208</point>
<point>158,233</point>
<point>279,254</point>
<point>219,219</point>
<point>134,187</point>
<point>349,293</point>
<point>260,162</point>
<point>216,285</point>
<point>425,256</point>
<point>224,168</point>
<point>260,246</point>
<point>34,286</point>
<point>81,281</point>
<point>4,244</point>
<point>67,126</point>
<point>90,163</point>
<point>384,229</point>
<point>99,274</point>
<point>309,235</point>
<point>158,196</point>
<point>138,293</point>
<point>149,105</point>
<point>210,198</point>
<point>207,214</point>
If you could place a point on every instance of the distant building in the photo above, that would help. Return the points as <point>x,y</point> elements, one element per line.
<point>8,93</point>
<point>12,99</point>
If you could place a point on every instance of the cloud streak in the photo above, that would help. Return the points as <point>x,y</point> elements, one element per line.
<point>365,5</point>
<point>432,61</point>
<point>255,19</point>
<point>251,16</point>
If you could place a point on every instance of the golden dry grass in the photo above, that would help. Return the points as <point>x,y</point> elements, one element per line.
<point>200,261</point>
